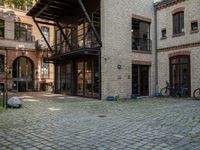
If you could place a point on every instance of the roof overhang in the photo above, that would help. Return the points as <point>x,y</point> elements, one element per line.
<point>61,9</point>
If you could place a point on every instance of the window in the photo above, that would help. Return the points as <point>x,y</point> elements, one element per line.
<point>141,35</point>
<point>23,32</point>
<point>194,26</point>
<point>45,31</point>
<point>1,87</point>
<point>45,70</point>
<point>2,28</point>
<point>1,63</point>
<point>178,23</point>
<point>164,33</point>
<point>58,40</point>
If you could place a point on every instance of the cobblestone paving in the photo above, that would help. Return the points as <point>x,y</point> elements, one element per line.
<point>49,121</point>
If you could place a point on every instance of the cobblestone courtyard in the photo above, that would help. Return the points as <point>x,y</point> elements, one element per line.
<point>50,121</point>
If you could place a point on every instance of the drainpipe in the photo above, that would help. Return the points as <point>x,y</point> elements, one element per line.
<point>155,53</point>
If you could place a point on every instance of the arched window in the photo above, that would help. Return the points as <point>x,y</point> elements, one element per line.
<point>2,27</point>
<point>178,22</point>
<point>1,63</point>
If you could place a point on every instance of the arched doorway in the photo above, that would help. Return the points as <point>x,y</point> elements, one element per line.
<point>180,73</point>
<point>23,74</point>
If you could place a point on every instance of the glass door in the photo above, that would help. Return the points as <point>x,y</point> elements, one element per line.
<point>140,80</point>
<point>180,73</point>
<point>80,78</point>
<point>68,79</point>
<point>96,78</point>
<point>57,78</point>
<point>63,78</point>
<point>89,78</point>
<point>144,80</point>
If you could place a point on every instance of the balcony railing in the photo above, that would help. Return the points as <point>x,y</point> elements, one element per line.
<point>141,44</point>
<point>87,40</point>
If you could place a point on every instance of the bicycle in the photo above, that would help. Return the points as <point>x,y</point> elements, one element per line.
<point>173,91</point>
<point>196,94</point>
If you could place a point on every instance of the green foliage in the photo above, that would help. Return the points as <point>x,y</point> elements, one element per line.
<point>21,4</point>
<point>117,98</point>
<point>1,105</point>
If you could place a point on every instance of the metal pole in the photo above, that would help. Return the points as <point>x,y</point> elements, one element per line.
<point>100,92</point>
<point>90,22</point>
<point>6,70</point>
<point>155,53</point>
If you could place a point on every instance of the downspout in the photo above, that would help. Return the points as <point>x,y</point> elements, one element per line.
<point>155,53</point>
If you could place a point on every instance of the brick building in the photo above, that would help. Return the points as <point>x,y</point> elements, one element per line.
<point>22,50</point>
<point>122,47</point>
<point>179,43</point>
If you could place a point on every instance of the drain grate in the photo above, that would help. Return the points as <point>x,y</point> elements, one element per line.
<point>102,116</point>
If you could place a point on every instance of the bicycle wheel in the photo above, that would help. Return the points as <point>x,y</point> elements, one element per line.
<point>165,92</point>
<point>196,94</point>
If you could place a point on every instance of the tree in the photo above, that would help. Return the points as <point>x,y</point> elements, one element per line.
<point>21,4</point>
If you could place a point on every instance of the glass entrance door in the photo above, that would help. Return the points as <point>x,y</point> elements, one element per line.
<point>140,80</point>
<point>144,80</point>
<point>80,78</point>
<point>87,78</point>
<point>23,74</point>
<point>68,79</point>
<point>180,73</point>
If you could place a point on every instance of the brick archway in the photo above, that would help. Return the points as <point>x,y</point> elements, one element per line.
<point>23,74</point>
<point>179,53</point>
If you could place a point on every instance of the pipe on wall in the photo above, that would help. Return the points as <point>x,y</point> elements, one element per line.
<point>155,53</point>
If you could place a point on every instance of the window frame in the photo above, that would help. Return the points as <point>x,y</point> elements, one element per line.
<point>178,23</point>
<point>3,28</point>
<point>147,39</point>
<point>2,63</point>
<point>45,27</point>
<point>43,75</point>
<point>162,35</point>
<point>20,30</point>
<point>193,30</point>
